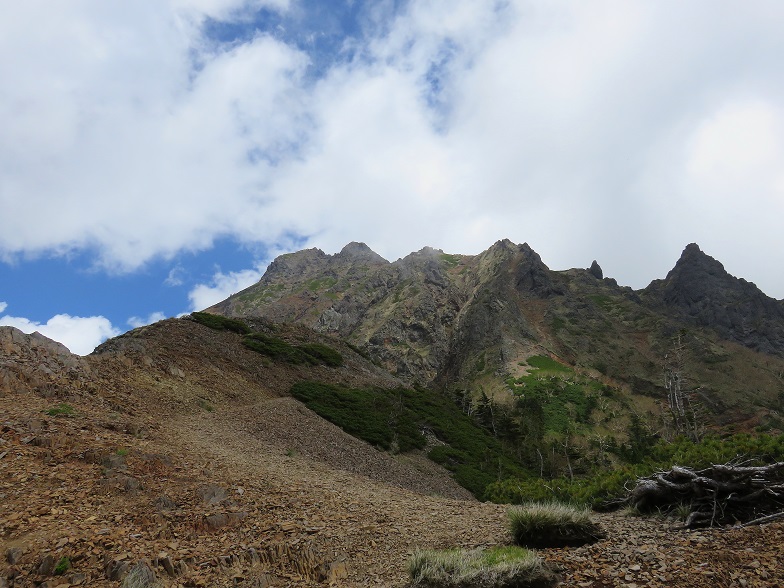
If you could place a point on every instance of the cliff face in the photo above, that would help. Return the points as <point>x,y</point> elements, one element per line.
<point>470,322</point>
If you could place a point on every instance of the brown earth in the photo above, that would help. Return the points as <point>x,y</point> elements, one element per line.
<point>197,464</point>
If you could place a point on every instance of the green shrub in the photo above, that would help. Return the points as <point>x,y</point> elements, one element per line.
<point>606,489</point>
<point>312,353</point>
<point>552,524</point>
<point>361,413</point>
<point>220,323</point>
<point>329,356</point>
<point>505,567</point>
<point>276,348</point>
<point>62,566</point>
<point>540,362</point>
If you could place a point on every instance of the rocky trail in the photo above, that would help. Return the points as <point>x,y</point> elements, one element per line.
<point>213,479</point>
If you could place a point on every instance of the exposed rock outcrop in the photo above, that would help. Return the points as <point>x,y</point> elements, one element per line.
<point>33,362</point>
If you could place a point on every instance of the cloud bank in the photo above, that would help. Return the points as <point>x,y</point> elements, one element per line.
<point>619,130</point>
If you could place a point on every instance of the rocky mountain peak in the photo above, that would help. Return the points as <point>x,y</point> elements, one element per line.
<point>532,275</point>
<point>360,252</point>
<point>694,260</point>
<point>700,289</point>
<point>292,265</point>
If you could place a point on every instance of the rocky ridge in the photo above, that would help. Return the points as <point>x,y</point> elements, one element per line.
<point>461,322</point>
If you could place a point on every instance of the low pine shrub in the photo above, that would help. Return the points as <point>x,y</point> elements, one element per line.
<point>62,566</point>
<point>326,354</point>
<point>395,420</point>
<point>220,323</point>
<point>276,348</point>
<point>312,353</point>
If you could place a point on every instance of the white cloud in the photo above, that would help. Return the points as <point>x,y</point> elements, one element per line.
<point>221,287</point>
<point>135,322</point>
<point>3,306</point>
<point>176,276</point>
<point>574,127</point>
<point>79,334</point>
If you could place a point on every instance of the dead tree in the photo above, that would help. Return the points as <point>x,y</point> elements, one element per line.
<point>718,495</point>
<point>684,408</point>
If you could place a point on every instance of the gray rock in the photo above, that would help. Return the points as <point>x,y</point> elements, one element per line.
<point>46,565</point>
<point>13,555</point>
<point>140,575</point>
<point>211,493</point>
<point>596,271</point>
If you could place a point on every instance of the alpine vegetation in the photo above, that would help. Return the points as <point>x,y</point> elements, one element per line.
<point>503,567</point>
<point>552,524</point>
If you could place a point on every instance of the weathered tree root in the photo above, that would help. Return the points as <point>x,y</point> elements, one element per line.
<point>719,495</point>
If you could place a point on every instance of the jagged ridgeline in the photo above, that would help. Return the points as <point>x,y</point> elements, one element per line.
<point>567,370</point>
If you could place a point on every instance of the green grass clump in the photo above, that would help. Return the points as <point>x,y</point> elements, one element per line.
<point>62,409</point>
<point>503,567</point>
<point>552,524</point>
<point>220,323</point>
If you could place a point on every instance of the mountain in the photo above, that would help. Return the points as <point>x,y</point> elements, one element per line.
<point>469,324</point>
<point>193,452</point>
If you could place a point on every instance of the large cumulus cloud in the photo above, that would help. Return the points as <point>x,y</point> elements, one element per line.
<point>617,130</point>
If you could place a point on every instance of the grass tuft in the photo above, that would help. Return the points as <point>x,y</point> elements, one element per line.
<point>503,567</point>
<point>552,524</point>
<point>62,409</point>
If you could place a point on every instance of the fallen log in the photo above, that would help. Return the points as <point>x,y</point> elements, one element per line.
<point>723,494</point>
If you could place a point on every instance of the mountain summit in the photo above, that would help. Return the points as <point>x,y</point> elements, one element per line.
<point>700,292</point>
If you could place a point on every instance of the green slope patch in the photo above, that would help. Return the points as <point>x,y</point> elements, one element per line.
<point>406,419</point>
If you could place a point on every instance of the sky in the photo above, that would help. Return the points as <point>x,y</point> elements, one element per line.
<point>156,155</point>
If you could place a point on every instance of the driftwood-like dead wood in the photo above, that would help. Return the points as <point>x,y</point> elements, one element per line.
<point>722,494</point>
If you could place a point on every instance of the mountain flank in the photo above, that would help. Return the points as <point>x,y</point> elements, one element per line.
<point>467,324</point>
